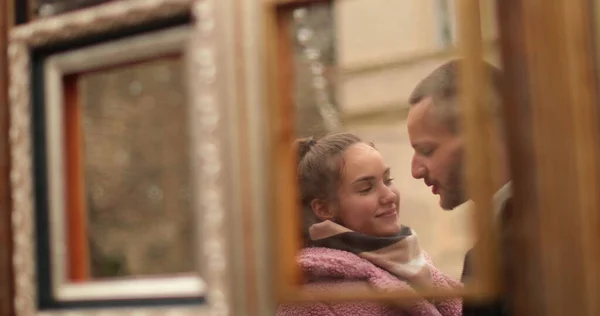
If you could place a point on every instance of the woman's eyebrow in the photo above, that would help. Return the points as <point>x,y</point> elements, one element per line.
<point>365,178</point>
<point>371,178</point>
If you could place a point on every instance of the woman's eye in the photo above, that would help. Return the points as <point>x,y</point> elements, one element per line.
<point>365,190</point>
<point>389,181</point>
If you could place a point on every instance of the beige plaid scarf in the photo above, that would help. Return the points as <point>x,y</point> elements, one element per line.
<point>400,255</point>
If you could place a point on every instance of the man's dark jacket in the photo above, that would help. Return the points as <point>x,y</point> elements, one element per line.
<point>499,307</point>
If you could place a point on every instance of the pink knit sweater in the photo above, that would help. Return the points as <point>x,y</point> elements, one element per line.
<point>327,264</point>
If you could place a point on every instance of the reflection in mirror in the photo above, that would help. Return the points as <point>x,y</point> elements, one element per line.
<point>137,170</point>
<point>356,64</point>
<point>314,65</point>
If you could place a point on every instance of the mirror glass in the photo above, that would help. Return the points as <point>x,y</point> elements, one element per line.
<point>136,169</point>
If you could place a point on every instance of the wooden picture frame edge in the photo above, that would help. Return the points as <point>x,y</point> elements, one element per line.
<point>6,271</point>
<point>552,99</point>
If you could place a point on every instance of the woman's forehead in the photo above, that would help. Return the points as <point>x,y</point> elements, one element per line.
<point>362,160</point>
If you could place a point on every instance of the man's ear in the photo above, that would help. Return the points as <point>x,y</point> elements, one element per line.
<point>322,209</point>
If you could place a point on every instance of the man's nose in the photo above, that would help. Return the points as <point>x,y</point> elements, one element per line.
<point>417,169</point>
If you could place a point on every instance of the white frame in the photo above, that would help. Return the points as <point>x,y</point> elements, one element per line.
<point>152,45</point>
<point>208,93</point>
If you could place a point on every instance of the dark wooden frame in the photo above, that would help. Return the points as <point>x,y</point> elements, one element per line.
<point>6,286</point>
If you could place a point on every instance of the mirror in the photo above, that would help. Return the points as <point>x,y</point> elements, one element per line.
<point>122,215</point>
<point>137,170</point>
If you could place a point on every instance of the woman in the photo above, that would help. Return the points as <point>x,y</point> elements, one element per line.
<point>350,210</point>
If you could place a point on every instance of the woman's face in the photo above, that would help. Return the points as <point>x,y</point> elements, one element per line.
<point>368,201</point>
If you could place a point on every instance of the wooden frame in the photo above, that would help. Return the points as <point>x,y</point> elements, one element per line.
<point>18,11</point>
<point>207,74</point>
<point>283,182</point>
<point>518,134</point>
<point>247,63</point>
<point>552,103</point>
<point>6,289</point>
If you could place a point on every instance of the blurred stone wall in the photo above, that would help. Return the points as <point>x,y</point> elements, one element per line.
<point>137,170</point>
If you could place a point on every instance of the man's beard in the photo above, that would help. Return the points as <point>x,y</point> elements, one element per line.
<point>454,189</point>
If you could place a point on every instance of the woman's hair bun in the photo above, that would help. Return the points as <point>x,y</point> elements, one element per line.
<point>303,146</point>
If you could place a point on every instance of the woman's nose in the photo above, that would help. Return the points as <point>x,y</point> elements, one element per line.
<point>388,195</point>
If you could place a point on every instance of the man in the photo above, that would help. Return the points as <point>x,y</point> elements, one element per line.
<point>435,134</point>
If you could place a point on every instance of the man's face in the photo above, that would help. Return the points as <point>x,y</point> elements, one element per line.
<point>438,155</point>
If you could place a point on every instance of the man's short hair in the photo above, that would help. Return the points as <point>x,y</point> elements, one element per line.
<point>442,86</point>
